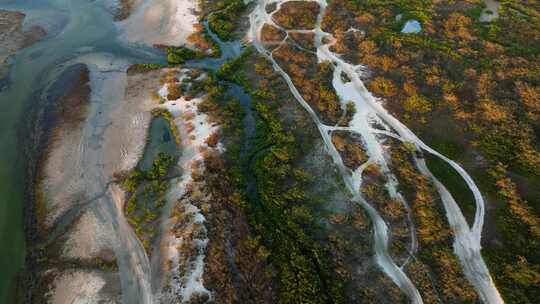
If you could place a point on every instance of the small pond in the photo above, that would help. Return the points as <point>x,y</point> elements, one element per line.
<point>411,27</point>
<point>160,140</point>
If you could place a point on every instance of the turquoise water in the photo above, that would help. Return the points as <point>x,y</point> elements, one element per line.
<point>78,27</point>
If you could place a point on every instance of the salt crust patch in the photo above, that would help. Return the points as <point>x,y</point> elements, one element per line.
<point>83,245</point>
<point>79,288</point>
<point>186,281</point>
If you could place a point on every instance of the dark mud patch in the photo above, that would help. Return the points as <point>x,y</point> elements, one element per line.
<point>63,106</point>
<point>67,98</point>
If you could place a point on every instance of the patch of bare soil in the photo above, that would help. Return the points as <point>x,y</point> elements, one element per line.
<point>66,257</point>
<point>92,133</point>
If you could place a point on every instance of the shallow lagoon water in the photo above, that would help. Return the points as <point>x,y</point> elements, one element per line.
<point>160,140</point>
<point>76,28</point>
<point>411,26</point>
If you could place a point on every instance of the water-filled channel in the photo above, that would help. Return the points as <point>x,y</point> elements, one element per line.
<point>75,28</point>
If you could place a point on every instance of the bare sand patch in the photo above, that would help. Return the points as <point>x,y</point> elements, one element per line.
<point>80,287</point>
<point>77,176</point>
<point>81,244</point>
<point>166,22</point>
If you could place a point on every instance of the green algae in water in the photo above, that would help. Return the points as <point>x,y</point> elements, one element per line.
<point>160,140</point>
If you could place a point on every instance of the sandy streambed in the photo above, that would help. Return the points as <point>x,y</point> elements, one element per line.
<point>88,251</point>
<point>467,239</point>
<point>80,207</point>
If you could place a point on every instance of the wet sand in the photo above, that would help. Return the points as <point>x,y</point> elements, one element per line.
<point>79,204</point>
<point>91,253</point>
<point>168,22</point>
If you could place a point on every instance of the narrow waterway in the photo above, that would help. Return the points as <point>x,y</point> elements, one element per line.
<point>188,152</point>
<point>76,28</point>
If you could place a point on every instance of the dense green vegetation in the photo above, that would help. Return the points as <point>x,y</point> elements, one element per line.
<point>516,266</point>
<point>233,256</point>
<point>281,212</point>
<point>222,22</point>
<point>214,46</point>
<point>450,177</point>
<point>281,215</point>
<point>160,167</point>
<point>314,81</point>
<point>277,207</point>
<point>481,78</point>
<point>434,236</point>
<point>449,70</point>
<point>297,14</point>
<point>229,114</point>
<point>205,47</point>
<point>248,265</point>
<point>179,55</point>
<point>144,67</point>
<point>146,196</point>
<point>229,71</point>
